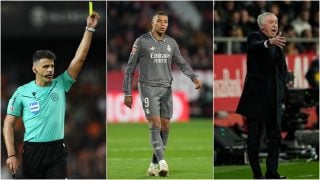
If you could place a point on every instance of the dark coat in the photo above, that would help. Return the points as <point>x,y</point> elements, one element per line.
<point>265,83</point>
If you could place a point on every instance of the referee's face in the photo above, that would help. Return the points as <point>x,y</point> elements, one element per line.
<point>160,24</point>
<point>44,70</point>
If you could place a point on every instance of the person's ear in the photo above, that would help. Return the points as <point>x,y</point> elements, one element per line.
<point>34,70</point>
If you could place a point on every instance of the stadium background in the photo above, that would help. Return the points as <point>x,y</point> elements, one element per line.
<point>59,26</point>
<point>190,143</point>
<point>233,21</point>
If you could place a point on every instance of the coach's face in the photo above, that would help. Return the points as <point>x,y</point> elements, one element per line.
<point>44,70</point>
<point>270,26</point>
<point>160,23</point>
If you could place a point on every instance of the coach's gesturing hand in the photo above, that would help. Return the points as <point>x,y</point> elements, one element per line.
<point>279,41</point>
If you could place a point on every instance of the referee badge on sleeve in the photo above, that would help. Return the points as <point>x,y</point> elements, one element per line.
<point>34,107</point>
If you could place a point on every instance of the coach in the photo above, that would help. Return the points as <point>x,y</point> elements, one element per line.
<point>263,93</point>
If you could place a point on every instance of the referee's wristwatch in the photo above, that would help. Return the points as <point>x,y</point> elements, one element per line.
<point>90,29</point>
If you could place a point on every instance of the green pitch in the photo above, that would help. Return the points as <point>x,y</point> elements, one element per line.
<point>293,170</point>
<point>188,153</point>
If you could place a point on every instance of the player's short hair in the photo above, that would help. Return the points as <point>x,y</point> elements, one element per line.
<point>43,54</point>
<point>261,17</point>
<point>161,13</point>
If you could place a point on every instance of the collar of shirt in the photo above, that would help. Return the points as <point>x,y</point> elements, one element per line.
<point>164,38</point>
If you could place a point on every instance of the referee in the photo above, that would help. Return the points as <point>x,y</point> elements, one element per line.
<point>155,52</point>
<point>41,103</point>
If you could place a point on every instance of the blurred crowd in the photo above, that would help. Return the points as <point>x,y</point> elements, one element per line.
<point>297,19</point>
<point>128,20</point>
<point>85,124</point>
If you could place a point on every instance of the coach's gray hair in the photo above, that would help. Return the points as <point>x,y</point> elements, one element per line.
<point>261,17</point>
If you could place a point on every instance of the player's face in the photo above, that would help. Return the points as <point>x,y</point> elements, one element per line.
<point>44,70</point>
<point>160,24</point>
<point>270,25</point>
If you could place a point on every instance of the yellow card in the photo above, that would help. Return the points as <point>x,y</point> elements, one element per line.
<point>90,8</point>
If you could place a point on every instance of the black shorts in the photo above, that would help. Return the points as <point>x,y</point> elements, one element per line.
<point>44,160</point>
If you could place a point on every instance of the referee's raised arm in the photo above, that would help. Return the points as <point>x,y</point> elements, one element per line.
<point>82,51</point>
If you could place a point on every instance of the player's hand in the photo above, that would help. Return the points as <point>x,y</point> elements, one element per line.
<point>128,101</point>
<point>279,41</point>
<point>197,83</point>
<point>92,20</point>
<point>12,164</point>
